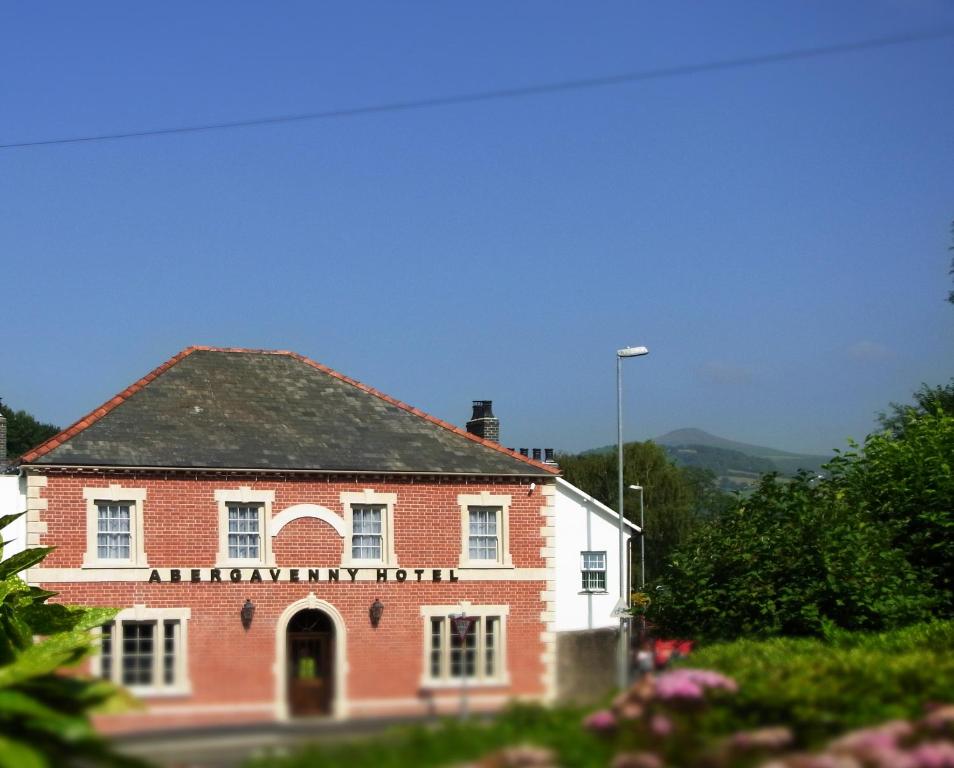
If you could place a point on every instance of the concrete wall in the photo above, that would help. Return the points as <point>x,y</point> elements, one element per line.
<point>583,524</point>
<point>586,665</point>
<point>12,500</point>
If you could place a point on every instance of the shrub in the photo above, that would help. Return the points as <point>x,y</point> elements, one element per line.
<point>822,687</point>
<point>44,714</point>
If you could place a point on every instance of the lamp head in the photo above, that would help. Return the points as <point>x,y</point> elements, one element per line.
<point>636,487</point>
<point>632,352</point>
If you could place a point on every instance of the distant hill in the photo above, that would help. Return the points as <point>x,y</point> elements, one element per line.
<point>736,465</point>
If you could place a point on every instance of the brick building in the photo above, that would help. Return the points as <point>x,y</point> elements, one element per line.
<point>285,541</point>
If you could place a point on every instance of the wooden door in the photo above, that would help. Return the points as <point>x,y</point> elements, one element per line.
<point>310,678</point>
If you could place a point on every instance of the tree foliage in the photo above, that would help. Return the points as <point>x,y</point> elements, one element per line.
<point>926,400</point>
<point>871,547</point>
<point>792,559</point>
<point>44,714</point>
<point>905,482</point>
<point>24,432</point>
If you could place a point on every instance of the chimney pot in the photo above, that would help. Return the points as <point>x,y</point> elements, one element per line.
<point>525,452</point>
<point>537,454</point>
<point>548,455</point>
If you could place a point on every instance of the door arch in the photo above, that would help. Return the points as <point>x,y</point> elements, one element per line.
<point>310,663</point>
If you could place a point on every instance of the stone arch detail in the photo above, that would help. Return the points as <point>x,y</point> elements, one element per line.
<point>340,705</point>
<point>298,511</point>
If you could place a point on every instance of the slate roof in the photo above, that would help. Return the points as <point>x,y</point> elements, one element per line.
<point>255,409</point>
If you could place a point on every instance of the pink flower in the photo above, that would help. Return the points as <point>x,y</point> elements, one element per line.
<point>762,738</point>
<point>934,754</point>
<point>691,684</point>
<point>660,725</point>
<point>602,720</point>
<point>636,760</point>
<point>870,741</point>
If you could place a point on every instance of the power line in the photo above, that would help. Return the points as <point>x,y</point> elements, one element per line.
<point>513,93</point>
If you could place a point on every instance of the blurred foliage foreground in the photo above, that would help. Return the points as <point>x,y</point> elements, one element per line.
<point>855,700</point>
<point>44,719</point>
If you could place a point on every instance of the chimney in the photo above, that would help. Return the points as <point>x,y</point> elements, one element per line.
<point>483,423</point>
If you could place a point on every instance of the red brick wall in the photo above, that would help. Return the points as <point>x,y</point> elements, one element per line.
<point>229,665</point>
<point>181,516</point>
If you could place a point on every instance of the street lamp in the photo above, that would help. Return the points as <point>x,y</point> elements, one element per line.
<point>623,586</point>
<point>642,539</point>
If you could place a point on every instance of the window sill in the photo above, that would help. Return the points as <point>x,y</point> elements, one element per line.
<point>368,564</point>
<point>113,564</point>
<point>229,564</point>
<point>456,685</point>
<point>148,692</point>
<point>485,564</point>
<point>593,592</point>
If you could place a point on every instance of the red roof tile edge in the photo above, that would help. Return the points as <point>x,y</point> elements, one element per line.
<point>98,413</point>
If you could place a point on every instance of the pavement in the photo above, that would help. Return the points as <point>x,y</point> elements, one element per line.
<point>231,746</point>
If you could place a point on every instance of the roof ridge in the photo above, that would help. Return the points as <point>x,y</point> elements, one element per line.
<point>95,415</point>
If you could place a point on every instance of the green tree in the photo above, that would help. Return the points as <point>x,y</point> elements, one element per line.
<point>44,714</point>
<point>24,432</point>
<point>926,400</point>
<point>904,480</point>
<point>792,559</point>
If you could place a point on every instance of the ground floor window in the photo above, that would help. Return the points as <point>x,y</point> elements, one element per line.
<point>479,656</point>
<point>145,650</point>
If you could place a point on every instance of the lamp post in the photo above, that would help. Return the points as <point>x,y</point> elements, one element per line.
<point>622,676</point>
<point>642,539</point>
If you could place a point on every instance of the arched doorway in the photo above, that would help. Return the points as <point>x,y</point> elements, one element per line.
<point>310,655</point>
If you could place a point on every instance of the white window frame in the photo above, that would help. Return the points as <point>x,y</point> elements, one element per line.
<point>139,614</point>
<point>365,498</point>
<point>584,569</point>
<point>501,676</point>
<point>245,496</point>
<point>500,502</point>
<point>115,494</point>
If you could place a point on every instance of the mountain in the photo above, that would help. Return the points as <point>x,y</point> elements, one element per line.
<point>736,465</point>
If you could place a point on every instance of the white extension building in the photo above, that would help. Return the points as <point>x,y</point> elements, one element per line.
<point>587,560</point>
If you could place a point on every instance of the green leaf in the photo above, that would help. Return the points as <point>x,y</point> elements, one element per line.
<point>5,520</point>
<point>23,560</point>
<point>15,754</point>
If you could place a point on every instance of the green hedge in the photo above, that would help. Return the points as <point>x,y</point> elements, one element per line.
<point>451,743</point>
<point>822,687</point>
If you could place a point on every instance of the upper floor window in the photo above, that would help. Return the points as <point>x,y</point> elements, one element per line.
<point>593,569</point>
<point>245,531</point>
<point>114,527</point>
<point>485,530</point>
<point>244,516</point>
<point>483,536</point>
<point>366,532</point>
<point>369,525</point>
<point>113,530</point>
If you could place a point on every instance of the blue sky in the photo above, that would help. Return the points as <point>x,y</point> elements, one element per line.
<point>777,235</point>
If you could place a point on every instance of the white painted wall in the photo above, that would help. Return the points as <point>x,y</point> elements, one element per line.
<point>584,524</point>
<point>13,500</point>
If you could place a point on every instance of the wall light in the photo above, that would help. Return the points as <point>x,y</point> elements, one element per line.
<point>375,612</point>
<point>248,612</point>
